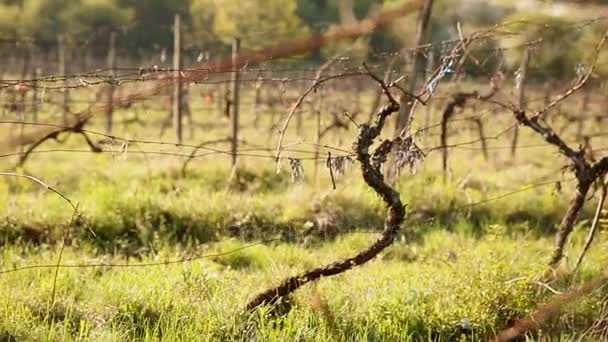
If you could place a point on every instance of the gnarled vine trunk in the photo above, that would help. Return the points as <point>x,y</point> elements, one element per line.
<point>374,178</point>
<point>567,224</point>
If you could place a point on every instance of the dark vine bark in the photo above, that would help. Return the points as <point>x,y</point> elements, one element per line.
<point>370,167</point>
<point>196,149</point>
<point>459,100</point>
<point>482,137</point>
<point>76,128</point>
<point>594,225</point>
<point>422,26</point>
<point>567,224</point>
<point>586,174</point>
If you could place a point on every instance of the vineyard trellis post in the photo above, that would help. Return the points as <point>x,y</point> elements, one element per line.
<point>378,95</point>
<point>26,55</point>
<point>318,110</point>
<point>111,85</point>
<point>547,93</point>
<point>586,95</point>
<point>2,96</point>
<point>482,138</point>
<point>299,114</point>
<point>37,73</point>
<point>407,102</point>
<point>521,95</point>
<point>12,60</point>
<point>177,81</point>
<point>234,114</point>
<point>61,48</point>
<point>429,107</point>
<point>218,92</point>
<point>87,57</point>
<point>227,104</point>
<point>13,95</point>
<point>604,105</point>
<point>358,97</point>
<point>26,59</point>
<point>257,92</point>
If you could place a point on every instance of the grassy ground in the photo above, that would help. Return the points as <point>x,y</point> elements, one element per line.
<point>445,287</point>
<point>465,264</point>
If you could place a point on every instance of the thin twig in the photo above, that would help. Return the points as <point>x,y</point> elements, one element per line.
<point>331,171</point>
<point>581,83</point>
<point>132,265</point>
<point>546,311</point>
<point>299,102</point>
<point>43,184</point>
<point>594,225</point>
<point>63,243</point>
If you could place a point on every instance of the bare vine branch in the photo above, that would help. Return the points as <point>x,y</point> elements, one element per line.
<point>77,128</point>
<point>546,311</point>
<point>299,102</point>
<point>375,179</point>
<point>581,82</point>
<point>585,173</point>
<point>594,225</point>
<point>459,100</point>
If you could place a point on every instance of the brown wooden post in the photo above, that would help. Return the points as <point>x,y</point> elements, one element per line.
<point>299,114</point>
<point>599,119</point>
<point>62,73</point>
<point>3,69</point>
<point>26,57</point>
<point>521,95</point>
<point>37,73</point>
<point>234,114</point>
<point>582,114</point>
<point>406,101</point>
<point>319,110</point>
<point>26,54</point>
<point>429,105</point>
<point>177,81</point>
<point>482,138</point>
<point>220,91</point>
<point>378,95</point>
<point>547,93</point>
<point>346,12</point>
<point>88,58</point>
<point>111,85</point>
<point>256,100</point>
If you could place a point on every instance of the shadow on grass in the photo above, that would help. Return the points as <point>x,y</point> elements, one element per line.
<point>134,228</point>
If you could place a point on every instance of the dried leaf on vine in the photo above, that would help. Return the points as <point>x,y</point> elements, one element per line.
<point>339,164</point>
<point>119,148</point>
<point>279,166</point>
<point>557,189</point>
<point>407,154</point>
<point>297,170</point>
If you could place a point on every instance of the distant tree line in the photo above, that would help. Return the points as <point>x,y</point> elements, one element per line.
<point>144,27</point>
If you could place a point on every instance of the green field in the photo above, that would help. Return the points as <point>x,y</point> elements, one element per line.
<point>468,261</point>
